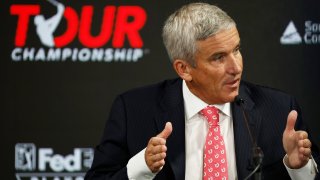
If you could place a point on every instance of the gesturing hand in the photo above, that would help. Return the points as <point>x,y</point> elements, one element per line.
<point>156,149</point>
<point>296,144</point>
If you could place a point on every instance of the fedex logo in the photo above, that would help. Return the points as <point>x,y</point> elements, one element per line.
<point>43,163</point>
<point>118,25</point>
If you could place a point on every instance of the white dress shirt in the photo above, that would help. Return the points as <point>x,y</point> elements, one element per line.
<point>196,131</point>
<point>196,128</point>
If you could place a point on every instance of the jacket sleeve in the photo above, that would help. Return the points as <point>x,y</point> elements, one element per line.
<point>111,155</point>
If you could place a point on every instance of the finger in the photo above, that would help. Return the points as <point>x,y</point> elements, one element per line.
<point>166,131</point>
<point>306,143</point>
<point>303,135</point>
<point>158,157</point>
<point>291,120</point>
<point>154,141</point>
<point>305,152</point>
<point>154,162</point>
<point>159,149</point>
<point>157,165</point>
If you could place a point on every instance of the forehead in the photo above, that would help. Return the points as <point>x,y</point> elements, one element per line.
<point>222,41</point>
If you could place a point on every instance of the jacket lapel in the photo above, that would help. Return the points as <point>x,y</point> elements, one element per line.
<point>243,142</point>
<point>173,111</point>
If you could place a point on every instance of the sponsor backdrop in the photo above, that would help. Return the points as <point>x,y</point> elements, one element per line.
<point>63,63</point>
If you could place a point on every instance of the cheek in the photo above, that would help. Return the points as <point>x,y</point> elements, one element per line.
<point>214,78</point>
<point>218,81</point>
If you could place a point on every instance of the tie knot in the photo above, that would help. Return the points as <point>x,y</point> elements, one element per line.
<point>211,114</point>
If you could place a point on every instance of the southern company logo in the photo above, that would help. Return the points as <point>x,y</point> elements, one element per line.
<point>311,35</point>
<point>43,164</point>
<point>118,25</point>
<point>291,35</point>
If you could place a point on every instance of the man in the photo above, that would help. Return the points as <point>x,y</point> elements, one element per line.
<point>163,131</point>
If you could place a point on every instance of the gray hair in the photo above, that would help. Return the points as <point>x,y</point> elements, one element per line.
<point>191,23</point>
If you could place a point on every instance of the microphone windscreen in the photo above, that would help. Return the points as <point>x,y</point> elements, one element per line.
<point>238,100</point>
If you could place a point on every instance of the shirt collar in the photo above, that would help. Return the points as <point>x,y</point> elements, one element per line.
<point>193,104</point>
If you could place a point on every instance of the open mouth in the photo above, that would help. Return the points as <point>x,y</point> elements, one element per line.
<point>233,83</point>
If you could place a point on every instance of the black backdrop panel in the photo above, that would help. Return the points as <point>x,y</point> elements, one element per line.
<point>56,98</point>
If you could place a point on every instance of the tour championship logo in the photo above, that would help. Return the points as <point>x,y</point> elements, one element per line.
<point>311,35</point>
<point>120,27</point>
<point>43,164</point>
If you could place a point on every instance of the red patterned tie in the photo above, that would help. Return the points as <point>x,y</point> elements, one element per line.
<point>214,155</point>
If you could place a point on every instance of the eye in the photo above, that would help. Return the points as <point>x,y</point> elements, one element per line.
<point>217,57</point>
<point>236,50</point>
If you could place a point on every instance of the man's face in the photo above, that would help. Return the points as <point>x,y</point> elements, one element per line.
<point>216,77</point>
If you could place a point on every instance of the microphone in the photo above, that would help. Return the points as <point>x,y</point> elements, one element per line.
<point>257,151</point>
<point>238,100</point>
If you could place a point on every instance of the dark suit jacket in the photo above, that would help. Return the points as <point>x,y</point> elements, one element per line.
<point>140,114</point>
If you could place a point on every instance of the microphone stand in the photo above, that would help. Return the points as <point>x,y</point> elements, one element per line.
<point>257,162</point>
<point>257,153</point>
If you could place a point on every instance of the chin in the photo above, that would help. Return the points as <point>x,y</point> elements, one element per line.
<point>230,97</point>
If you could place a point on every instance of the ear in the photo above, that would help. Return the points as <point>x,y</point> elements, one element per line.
<point>183,69</point>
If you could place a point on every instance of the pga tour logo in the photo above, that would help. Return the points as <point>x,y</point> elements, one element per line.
<point>40,162</point>
<point>25,155</point>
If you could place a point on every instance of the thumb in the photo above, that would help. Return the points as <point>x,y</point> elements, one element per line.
<point>166,131</point>
<point>291,121</point>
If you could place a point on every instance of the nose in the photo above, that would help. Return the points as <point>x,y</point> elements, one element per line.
<point>234,65</point>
